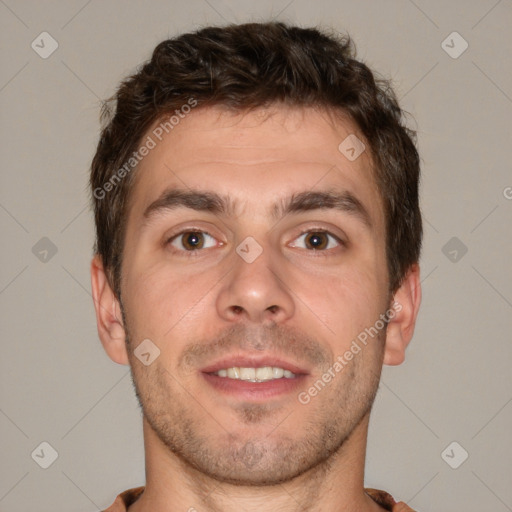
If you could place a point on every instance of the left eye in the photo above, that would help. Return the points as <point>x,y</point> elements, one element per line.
<point>192,240</point>
<point>318,240</point>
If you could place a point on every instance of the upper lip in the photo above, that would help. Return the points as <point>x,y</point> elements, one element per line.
<point>254,361</point>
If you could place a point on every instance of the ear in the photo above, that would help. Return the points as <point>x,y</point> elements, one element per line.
<point>108,314</point>
<point>405,307</point>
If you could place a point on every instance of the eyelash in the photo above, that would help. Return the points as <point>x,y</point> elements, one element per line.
<point>338,240</point>
<point>195,252</point>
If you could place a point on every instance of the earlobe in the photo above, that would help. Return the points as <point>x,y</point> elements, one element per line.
<point>108,314</point>
<point>405,307</point>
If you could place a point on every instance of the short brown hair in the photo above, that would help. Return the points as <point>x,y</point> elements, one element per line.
<point>242,67</point>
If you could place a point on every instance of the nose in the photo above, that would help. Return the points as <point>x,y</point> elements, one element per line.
<point>256,291</point>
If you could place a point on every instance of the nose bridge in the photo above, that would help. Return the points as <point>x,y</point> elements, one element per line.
<point>255,289</point>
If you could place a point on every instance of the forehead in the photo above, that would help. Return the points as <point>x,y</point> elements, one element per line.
<point>265,153</point>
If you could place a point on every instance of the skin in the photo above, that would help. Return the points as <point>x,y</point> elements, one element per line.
<point>205,449</point>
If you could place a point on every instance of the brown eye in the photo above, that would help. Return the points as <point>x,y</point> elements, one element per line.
<point>317,241</point>
<point>192,240</point>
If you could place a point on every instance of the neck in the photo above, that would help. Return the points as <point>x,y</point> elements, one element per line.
<point>335,485</point>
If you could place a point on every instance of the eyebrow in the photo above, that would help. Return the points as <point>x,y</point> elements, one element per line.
<point>223,205</point>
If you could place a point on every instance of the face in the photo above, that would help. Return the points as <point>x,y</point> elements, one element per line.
<point>253,242</point>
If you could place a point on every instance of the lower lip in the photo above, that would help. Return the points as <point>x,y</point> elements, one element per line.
<point>254,390</point>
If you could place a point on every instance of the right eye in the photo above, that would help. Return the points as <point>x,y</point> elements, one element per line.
<point>191,241</point>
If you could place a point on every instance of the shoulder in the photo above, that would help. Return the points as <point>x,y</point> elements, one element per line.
<point>384,499</point>
<point>125,499</point>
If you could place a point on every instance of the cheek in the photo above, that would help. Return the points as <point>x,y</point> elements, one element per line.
<point>163,303</point>
<point>345,302</point>
<point>146,294</point>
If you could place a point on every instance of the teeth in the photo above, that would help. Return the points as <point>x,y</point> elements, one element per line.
<point>247,373</point>
<point>277,373</point>
<point>234,373</point>
<point>264,373</point>
<point>255,374</point>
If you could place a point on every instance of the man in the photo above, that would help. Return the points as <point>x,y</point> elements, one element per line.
<point>258,237</point>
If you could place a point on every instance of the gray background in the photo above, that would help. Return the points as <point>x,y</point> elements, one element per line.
<point>57,384</point>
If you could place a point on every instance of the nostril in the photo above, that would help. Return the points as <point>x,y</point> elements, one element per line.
<point>237,309</point>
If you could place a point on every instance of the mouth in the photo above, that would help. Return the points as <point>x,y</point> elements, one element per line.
<point>252,378</point>
<point>261,374</point>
